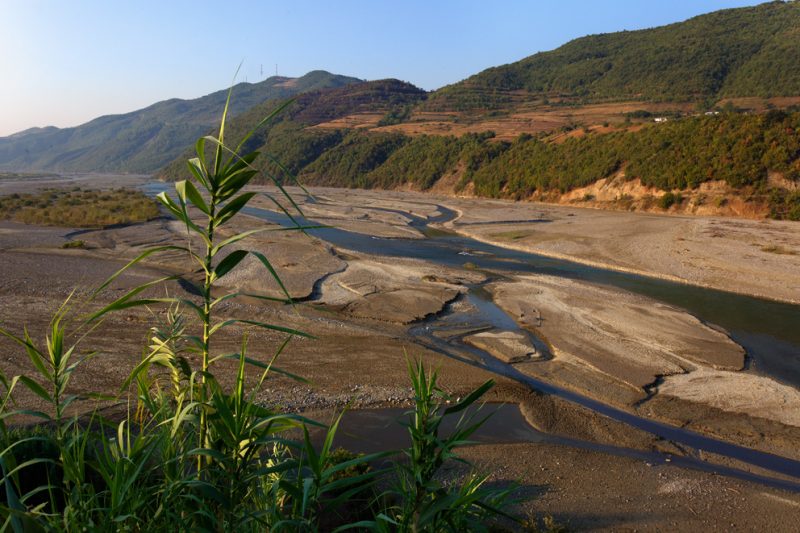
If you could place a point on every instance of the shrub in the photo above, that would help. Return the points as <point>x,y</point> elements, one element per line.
<point>79,208</point>
<point>425,504</point>
<point>784,205</point>
<point>667,200</point>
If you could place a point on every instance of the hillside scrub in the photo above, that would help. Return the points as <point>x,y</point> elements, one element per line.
<point>739,149</point>
<point>349,163</point>
<point>424,159</point>
<point>750,51</point>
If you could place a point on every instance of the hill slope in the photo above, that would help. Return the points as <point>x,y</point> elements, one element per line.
<point>753,162</point>
<point>317,122</point>
<point>143,141</point>
<point>750,51</point>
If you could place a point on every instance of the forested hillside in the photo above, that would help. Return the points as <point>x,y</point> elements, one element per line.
<point>741,150</point>
<point>752,51</point>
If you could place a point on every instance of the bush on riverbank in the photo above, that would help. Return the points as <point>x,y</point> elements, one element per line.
<point>78,208</point>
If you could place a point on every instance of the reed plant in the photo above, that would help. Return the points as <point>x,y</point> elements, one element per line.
<point>191,453</point>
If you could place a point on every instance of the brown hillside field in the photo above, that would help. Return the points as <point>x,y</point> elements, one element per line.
<point>354,121</point>
<point>527,118</point>
<point>759,105</point>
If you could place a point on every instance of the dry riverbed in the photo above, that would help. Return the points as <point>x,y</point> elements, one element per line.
<point>646,357</point>
<point>755,257</point>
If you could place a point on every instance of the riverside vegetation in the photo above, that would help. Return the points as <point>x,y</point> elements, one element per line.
<point>192,454</point>
<point>78,208</point>
<point>741,150</point>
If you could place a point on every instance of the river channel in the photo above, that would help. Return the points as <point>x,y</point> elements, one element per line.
<point>768,330</point>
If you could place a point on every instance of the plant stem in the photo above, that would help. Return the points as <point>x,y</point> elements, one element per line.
<point>207,286</point>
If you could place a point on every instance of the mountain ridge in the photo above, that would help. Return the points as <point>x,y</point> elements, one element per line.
<point>749,51</point>
<point>146,139</point>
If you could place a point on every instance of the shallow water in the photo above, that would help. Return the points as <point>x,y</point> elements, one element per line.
<point>769,331</point>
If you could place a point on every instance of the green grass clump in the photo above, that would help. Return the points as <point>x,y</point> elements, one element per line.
<point>79,208</point>
<point>668,199</point>
<point>73,244</point>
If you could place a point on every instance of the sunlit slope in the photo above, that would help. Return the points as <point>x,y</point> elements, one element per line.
<point>752,51</point>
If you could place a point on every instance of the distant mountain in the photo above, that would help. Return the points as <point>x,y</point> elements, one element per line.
<point>145,140</point>
<point>315,122</point>
<point>752,51</point>
<point>31,131</point>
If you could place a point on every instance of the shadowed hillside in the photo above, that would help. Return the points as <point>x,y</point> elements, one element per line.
<point>145,140</point>
<point>296,137</point>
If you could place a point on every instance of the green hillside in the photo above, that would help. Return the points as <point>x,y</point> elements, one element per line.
<point>738,149</point>
<point>145,140</point>
<point>750,51</point>
<point>298,146</point>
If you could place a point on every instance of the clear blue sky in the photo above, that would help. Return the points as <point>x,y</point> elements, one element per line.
<point>65,62</point>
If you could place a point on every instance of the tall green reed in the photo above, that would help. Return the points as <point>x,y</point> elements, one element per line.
<point>192,454</point>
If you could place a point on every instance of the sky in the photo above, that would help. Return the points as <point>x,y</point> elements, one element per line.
<point>63,62</point>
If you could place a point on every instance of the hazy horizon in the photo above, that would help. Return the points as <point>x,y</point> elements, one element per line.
<point>71,63</point>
